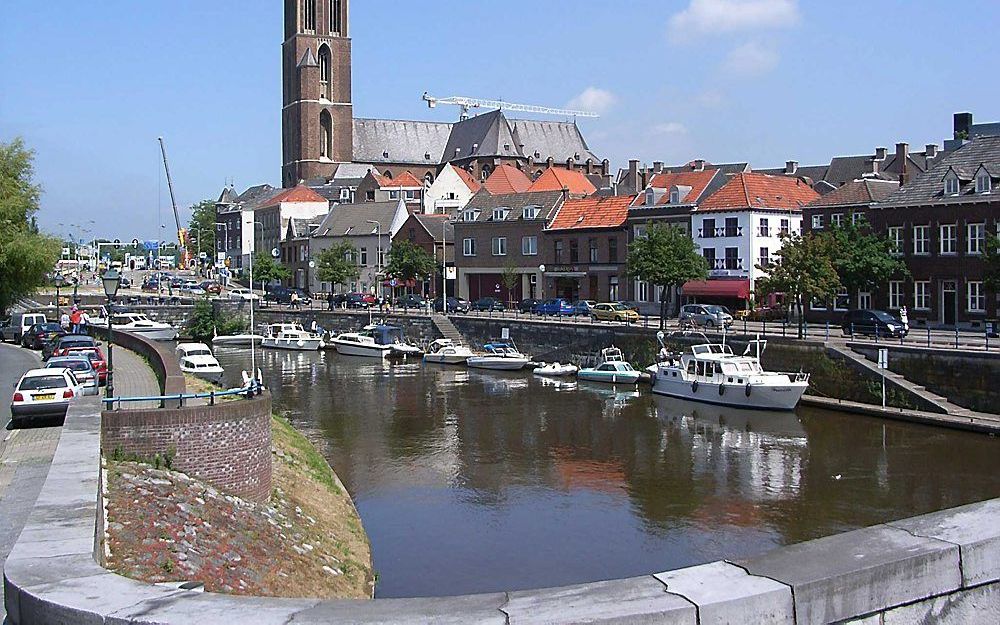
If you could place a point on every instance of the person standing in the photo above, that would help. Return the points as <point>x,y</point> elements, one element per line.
<point>74,320</point>
<point>294,300</point>
<point>64,321</point>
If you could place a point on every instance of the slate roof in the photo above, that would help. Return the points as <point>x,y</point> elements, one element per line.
<point>560,140</point>
<point>488,134</point>
<point>592,212</point>
<point>299,228</point>
<point>297,194</point>
<point>507,179</point>
<point>928,188</point>
<point>858,192</point>
<point>546,201</point>
<point>752,190</point>
<point>697,181</point>
<point>432,224</point>
<point>418,143</point>
<point>228,196</point>
<point>352,219</point>
<point>812,172</point>
<point>557,179</point>
<point>252,198</point>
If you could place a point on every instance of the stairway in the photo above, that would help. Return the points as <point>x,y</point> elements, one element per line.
<point>447,328</point>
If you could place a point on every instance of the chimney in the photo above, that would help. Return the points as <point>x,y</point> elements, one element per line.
<point>699,165</point>
<point>570,164</point>
<point>930,153</point>
<point>963,125</point>
<point>875,166</point>
<point>791,167</point>
<point>549,162</point>
<point>565,193</point>
<point>644,177</point>
<point>633,171</point>
<point>902,155</point>
<point>605,168</point>
<point>657,167</point>
<point>880,154</point>
<point>589,166</point>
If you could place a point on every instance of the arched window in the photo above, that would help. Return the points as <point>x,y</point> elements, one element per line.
<point>486,171</point>
<point>387,174</point>
<point>325,135</point>
<point>324,72</point>
<point>428,179</point>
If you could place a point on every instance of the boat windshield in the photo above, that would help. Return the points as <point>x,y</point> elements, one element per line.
<point>701,350</point>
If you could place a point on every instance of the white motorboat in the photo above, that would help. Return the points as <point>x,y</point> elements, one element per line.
<point>197,359</point>
<point>445,352</point>
<point>291,336</point>
<point>611,368</point>
<point>500,356</point>
<point>360,344</point>
<point>555,370</point>
<point>713,374</point>
<point>238,340</point>
<point>138,323</point>
<point>393,337</point>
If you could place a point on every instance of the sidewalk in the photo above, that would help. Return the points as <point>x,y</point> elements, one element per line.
<point>134,378</point>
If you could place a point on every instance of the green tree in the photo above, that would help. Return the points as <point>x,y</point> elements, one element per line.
<point>407,261</point>
<point>267,269</point>
<point>201,228</point>
<point>205,323</point>
<point>803,270</point>
<point>510,278</point>
<point>338,264</point>
<point>26,255</point>
<point>666,257</point>
<point>862,258</point>
<point>991,258</point>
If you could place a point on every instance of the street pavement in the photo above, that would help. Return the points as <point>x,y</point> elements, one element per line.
<point>25,454</point>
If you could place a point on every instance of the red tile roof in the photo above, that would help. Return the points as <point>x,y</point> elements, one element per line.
<point>507,179</point>
<point>697,180</point>
<point>469,180</point>
<point>297,194</point>
<point>556,179</point>
<point>403,180</point>
<point>592,212</point>
<point>749,190</point>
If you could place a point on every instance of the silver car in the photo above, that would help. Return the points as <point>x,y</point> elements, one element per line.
<point>705,316</point>
<point>83,370</point>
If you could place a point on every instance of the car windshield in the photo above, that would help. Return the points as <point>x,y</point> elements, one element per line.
<point>617,307</point>
<point>42,382</point>
<point>884,316</point>
<point>717,310</point>
<point>48,327</point>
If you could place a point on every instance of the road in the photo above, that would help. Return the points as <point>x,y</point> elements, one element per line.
<point>25,453</point>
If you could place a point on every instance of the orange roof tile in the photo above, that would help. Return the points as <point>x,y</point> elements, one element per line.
<point>750,190</point>
<point>507,179</point>
<point>469,180</point>
<point>592,212</point>
<point>556,179</point>
<point>697,180</point>
<point>297,194</point>
<point>403,180</point>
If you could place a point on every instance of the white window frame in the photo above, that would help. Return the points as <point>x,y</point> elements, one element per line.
<point>470,215</point>
<point>857,218</point>
<point>952,241</point>
<point>530,212</point>
<point>895,234</point>
<point>675,196</point>
<point>650,198</point>
<point>984,184</point>
<point>786,226</point>
<point>529,246</point>
<point>842,301</point>
<point>837,219</point>
<point>975,297</point>
<point>468,247</point>
<point>500,214</point>
<point>764,227</point>
<point>921,240</point>
<point>499,246</point>
<point>764,258</point>
<point>922,295</point>
<point>817,221</point>
<point>897,294</point>
<point>951,185</point>
<point>975,238</point>
<point>363,256</point>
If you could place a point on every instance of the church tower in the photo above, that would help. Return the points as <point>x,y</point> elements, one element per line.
<point>317,117</point>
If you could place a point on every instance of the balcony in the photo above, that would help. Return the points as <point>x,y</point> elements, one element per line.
<point>712,233</point>
<point>723,266</point>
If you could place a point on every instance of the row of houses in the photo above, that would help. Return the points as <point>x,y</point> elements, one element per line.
<point>565,231</point>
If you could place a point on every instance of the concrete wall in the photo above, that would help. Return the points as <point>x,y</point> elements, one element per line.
<point>942,568</point>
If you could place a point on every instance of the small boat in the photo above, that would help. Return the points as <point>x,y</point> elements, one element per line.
<point>500,355</point>
<point>197,359</point>
<point>555,370</point>
<point>137,323</point>
<point>445,352</point>
<point>611,368</point>
<point>291,336</point>
<point>359,344</point>
<point>712,373</point>
<point>238,340</point>
<point>393,337</point>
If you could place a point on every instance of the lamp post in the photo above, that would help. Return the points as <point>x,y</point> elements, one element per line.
<point>378,258</point>
<point>60,282</point>
<point>541,282</point>
<point>253,347</point>
<point>111,280</point>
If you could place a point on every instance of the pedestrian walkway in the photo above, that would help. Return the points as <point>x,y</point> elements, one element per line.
<point>134,378</point>
<point>447,328</point>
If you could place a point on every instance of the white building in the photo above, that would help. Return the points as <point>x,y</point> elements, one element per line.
<point>451,191</point>
<point>298,203</point>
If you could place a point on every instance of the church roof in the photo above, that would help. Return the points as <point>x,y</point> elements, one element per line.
<point>560,140</point>
<point>397,141</point>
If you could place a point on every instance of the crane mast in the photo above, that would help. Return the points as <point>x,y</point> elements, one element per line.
<point>466,103</point>
<point>181,232</point>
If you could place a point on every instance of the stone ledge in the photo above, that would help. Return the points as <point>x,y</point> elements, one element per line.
<point>624,601</point>
<point>725,593</point>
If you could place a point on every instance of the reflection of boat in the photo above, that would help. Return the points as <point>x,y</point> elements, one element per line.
<point>445,352</point>
<point>393,337</point>
<point>558,384</point>
<point>238,340</point>
<point>501,355</point>
<point>780,423</point>
<point>197,359</point>
<point>611,369</point>
<point>359,344</point>
<point>712,373</point>
<point>291,336</point>
<point>616,393</point>
<point>555,370</point>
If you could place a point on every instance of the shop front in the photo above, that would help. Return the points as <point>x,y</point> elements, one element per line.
<point>732,293</point>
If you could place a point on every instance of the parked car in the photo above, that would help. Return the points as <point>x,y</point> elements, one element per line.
<point>6,331</point>
<point>359,300</point>
<point>125,282</point>
<point>283,295</point>
<point>455,304</point>
<point>556,306</point>
<point>211,287</point>
<point>243,295</point>
<point>613,311</point>
<point>487,304</point>
<point>22,321</point>
<point>872,323</point>
<point>44,393</point>
<point>705,316</point>
<point>582,308</point>
<point>528,305</point>
<point>411,301</point>
<point>59,346</point>
<point>629,305</point>
<point>41,333</point>
<point>83,370</point>
<point>96,357</point>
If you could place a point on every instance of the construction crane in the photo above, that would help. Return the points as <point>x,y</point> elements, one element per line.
<point>474,103</point>
<point>181,231</point>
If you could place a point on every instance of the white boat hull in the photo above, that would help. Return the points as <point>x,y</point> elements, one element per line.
<point>405,350</point>
<point>211,375</point>
<point>446,359</point>
<point>238,340</point>
<point>365,351</point>
<point>761,396</point>
<point>609,377</point>
<point>496,363</point>
<point>153,334</point>
<point>555,372</point>
<point>301,345</point>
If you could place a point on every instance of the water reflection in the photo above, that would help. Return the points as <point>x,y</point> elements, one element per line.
<point>472,481</point>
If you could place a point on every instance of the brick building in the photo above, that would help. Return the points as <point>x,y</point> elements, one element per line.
<point>435,234</point>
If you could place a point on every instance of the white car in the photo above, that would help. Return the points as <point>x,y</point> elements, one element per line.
<point>244,295</point>
<point>44,392</point>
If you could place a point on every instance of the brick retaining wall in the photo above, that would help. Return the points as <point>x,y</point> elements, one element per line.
<point>227,445</point>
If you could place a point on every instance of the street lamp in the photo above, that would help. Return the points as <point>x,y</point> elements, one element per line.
<point>111,280</point>
<point>378,259</point>
<point>60,281</point>
<point>541,283</point>
<point>253,250</point>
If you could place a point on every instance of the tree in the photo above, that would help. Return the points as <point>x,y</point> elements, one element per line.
<point>205,323</point>
<point>803,270</point>
<point>407,261</point>
<point>267,269</point>
<point>991,258</point>
<point>26,255</point>
<point>201,228</point>
<point>666,257</point>
<point>862,259</point>
<point>337,265</point>
<point>509,278</point>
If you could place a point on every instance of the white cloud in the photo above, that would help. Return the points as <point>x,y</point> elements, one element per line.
<point>751,59</point>
<point>669,128</point>
<point>593,99</point>
<point>714,17</point>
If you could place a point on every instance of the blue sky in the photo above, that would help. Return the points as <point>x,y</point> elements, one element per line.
<point>90,85</point>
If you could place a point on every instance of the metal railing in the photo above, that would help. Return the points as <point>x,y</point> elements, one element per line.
<point>252,390</point>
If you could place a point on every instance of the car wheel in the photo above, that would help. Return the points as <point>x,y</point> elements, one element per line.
<point>710,323</point>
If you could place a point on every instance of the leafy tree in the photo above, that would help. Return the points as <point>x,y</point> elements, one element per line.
<point>407,261</point>
<point>267,269</point>
<point>337,265</point>
<point>991,258</point>
<point>510,278</point>
<point>26,255</point>
<point>201,228</point>
<point>205,323</point>
<point>803,270</point>
<point>666,257</point>
<point>862,258</point>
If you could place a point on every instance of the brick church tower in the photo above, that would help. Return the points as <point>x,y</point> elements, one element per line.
<point>317,117</point>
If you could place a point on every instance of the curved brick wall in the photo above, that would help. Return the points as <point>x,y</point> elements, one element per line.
<point>227,445</point>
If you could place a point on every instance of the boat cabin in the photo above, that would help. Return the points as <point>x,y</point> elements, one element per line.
<point>384,335</point>
<point>713,362</point>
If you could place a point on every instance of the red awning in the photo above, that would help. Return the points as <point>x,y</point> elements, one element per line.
<point>736,289</point>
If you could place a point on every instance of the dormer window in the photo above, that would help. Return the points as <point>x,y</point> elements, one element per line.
<point>470,215</point>
<point>650,197</point>
<point>951,185</point>
<point>530,212</point>
<point>675,196</point>
<point>983,183</point>
<point>499,214</point>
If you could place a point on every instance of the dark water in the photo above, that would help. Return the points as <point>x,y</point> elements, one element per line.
<point>473,481</point>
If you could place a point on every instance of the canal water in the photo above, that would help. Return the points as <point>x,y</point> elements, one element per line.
<point>471,481</point>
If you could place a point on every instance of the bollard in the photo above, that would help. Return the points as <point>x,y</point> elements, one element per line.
<point>744,325</point>
<point>784,328</point>
<point>828,331</point>
<point>928,336</point>
<point>764,331</point>
<point>956,335</point>
<point>876,332</point>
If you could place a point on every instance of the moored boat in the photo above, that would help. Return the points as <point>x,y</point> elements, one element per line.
<point>359,344</point>
<point>611,368</point>
<point>138,323</point>
<point>499,355</point>
<point>237,340</point>
<point>446,352</point>
<point>197,359</point>
<point>555,370</point>
<point>291,336</point>
<point>393,337</point>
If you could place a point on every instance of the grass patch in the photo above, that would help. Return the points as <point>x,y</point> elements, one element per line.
<point>302,453</point>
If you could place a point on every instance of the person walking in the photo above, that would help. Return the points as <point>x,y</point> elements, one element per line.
<point>294,300</point>
<point>64,321</point>
<point>329,301</point>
